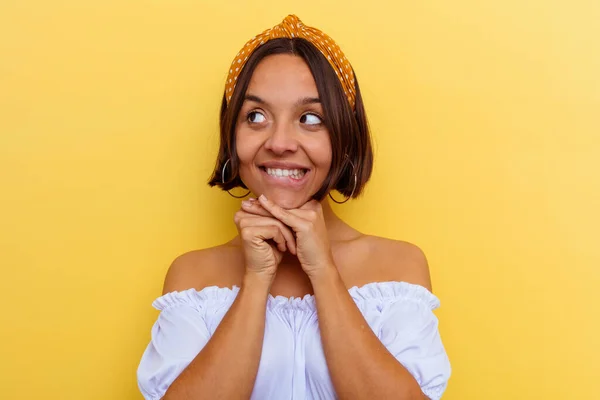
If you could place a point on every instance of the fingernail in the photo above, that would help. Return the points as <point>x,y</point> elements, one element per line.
<point>246,203</point>
<point>263,197</point>
<point>251,199</point>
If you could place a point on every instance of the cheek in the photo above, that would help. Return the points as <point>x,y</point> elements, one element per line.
<point>321,151</point>
<point>245,147</point>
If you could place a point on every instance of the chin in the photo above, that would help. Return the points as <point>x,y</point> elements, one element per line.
<point>286,199</point>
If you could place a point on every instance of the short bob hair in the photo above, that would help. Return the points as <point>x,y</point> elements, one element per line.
<point>348,129</point>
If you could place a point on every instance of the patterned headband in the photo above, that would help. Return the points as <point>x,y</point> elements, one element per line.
<point>292,27</point>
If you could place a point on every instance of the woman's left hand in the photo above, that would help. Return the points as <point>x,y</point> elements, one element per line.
<point>307,222</point>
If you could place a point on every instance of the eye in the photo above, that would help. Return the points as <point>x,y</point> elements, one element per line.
<point>256,117</point>
<point>310,119</point>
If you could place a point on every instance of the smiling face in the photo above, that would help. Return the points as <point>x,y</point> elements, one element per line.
<point>283,145</point>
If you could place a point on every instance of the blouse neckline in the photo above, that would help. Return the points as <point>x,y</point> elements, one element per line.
<point>387,290</point>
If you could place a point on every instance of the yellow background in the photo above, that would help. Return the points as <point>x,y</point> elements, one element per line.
<point>486,120</point>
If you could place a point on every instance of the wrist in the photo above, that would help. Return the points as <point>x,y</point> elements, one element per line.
<point>254,294</point>
<point>324,275</point>
<point>257,282</point>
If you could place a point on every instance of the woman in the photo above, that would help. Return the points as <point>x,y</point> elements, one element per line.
<point>299,305</point>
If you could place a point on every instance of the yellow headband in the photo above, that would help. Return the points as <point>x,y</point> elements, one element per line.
<point>292,27</point>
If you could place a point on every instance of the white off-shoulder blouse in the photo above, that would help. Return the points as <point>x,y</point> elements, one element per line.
<point>292,364</point>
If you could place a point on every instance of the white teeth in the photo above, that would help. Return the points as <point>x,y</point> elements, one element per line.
<point>293,173</point>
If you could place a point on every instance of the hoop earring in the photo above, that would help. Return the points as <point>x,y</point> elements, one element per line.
<point>223,181</point>
<point>353,189</point>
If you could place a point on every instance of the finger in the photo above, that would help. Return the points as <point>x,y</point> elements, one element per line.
<point>253,220</point>
<point>286,216</point>
<point>241,214</point>
<point>278,239</point>
<point>256,208</point>
<point>261,234</point>
<point>273,233</point>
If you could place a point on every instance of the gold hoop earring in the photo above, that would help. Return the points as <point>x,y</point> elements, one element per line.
<point>223,181</point>
<point>353,189</point>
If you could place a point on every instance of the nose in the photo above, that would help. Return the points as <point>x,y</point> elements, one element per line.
<point>282,139</point>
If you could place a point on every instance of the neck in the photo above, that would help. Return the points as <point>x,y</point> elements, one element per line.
<point>331,219</point>
<point>337,229</point>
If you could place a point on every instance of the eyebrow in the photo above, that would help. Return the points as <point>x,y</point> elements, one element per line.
<point>303,101</point>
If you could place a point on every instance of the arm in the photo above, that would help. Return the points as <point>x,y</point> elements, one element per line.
<point>227,366</point>
<point>359,364</point>
<point>184,359</point>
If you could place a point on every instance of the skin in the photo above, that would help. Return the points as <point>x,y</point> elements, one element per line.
<point>291,245</point>
<point>281,122</point>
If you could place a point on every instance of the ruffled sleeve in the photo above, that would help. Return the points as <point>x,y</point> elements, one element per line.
<point>408,328</point>
<point>181,331</point>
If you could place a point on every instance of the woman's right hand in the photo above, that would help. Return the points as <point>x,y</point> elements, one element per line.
<point>264,240</point>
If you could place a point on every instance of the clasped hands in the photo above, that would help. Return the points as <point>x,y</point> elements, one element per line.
<point>268,230</point>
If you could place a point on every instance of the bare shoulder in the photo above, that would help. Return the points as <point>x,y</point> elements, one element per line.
<point>214,266</point>
<point>400,260</point>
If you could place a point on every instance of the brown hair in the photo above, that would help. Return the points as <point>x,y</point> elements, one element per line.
<point>348,128</point>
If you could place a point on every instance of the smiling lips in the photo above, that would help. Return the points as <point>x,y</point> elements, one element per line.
<point>292,173</point>
<point>293,176</point>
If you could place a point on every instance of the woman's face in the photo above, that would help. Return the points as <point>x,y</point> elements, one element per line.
<point>282,143</point>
